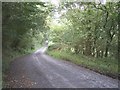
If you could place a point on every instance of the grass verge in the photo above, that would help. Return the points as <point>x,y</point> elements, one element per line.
<point>106,66</point>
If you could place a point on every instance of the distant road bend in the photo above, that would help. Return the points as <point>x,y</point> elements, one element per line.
<point>39,70</point>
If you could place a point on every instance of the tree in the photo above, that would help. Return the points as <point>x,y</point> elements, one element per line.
<point>91,29</point>
<point>19,19</point>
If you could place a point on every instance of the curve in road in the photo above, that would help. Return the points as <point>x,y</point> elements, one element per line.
<point>39,70</point>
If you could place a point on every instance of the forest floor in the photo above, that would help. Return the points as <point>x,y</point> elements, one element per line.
<point>39,70</point>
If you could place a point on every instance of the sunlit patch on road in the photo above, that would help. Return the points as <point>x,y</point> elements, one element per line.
<point>41,50</point>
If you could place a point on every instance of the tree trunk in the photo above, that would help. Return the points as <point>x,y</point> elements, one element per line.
<point>101,54</point>
<point>107,48</point>
<point>88,46</point>
<point>119,32</point>
<point>119,45</point>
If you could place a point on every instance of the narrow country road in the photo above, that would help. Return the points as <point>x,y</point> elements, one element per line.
<point>39,70</point>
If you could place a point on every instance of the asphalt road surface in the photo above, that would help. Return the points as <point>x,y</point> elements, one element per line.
<point>39,70</point>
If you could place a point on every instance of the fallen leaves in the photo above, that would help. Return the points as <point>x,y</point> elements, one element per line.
<point>21,82</point>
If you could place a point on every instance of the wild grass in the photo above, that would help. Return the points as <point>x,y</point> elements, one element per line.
<point>8,55</point>
<point>106,66</point>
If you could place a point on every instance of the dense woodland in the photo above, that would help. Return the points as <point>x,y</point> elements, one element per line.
<point>92,31</point>
<point>89,29</point>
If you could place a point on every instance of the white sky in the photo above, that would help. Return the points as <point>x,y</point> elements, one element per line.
<point>102,1</point>
<point>55,2</point>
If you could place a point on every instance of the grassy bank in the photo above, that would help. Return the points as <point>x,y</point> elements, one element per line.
<point>106,66</point>
<point>8,56</point>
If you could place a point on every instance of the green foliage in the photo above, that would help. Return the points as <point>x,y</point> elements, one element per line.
<point>19,18</point>
<point>89,28</point>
